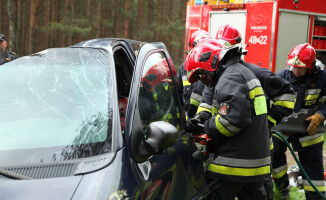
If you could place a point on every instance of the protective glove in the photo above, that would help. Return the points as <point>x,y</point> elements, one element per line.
<point>194,125</point>
<point>315,121</point>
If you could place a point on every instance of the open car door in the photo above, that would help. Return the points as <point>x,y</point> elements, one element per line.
<point>162,160</point>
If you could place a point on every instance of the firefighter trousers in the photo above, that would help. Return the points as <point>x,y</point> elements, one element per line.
<point>311,158</point>
<point>225,190</point>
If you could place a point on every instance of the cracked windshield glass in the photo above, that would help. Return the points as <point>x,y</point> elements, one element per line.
<point>55,105</point>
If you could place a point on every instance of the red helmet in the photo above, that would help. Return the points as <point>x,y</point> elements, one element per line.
<point>196,36</point>
<point>229,33</point>
<point>302,56</point>
<point>158,73</point>
<point>202,57</point>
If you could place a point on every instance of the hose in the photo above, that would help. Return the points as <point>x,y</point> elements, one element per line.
<point>299,164</point>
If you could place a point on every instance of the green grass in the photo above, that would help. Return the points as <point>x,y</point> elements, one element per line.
<point>295,194</point>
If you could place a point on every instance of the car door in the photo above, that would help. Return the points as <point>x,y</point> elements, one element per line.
<point>174,174</point>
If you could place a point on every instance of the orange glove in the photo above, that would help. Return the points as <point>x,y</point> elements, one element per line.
<point>315,120</point>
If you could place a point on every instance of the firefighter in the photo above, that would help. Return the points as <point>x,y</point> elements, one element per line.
<point>157,95</point>
<point>5,55</point>
<point>242,161</point>
<point>191,93</point>
<point>308,83</point>
<point>277,90</point>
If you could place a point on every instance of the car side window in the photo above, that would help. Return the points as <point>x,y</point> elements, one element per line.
<point>157,96</point>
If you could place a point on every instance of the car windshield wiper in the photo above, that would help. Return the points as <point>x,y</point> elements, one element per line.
<point>13,175</point>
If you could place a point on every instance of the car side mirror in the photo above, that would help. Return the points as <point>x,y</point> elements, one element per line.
<point>159,136</point>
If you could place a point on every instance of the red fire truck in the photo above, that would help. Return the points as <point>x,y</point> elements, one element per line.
<point>269,28</point>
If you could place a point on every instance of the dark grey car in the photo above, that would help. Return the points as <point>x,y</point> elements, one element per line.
<point>65,134</point>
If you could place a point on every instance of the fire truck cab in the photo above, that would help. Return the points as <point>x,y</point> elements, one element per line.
<point>269,28</point>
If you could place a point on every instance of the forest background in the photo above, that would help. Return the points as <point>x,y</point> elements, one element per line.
<point>31,26</point>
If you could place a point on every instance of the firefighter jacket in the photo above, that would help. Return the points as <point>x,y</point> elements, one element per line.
<point>310,92</point>
<point>280,96</point>
<point>7,56</point>
<point>240,126</point>
<point>191,93</point>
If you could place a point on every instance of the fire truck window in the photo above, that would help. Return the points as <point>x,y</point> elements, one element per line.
<point>157,97</point>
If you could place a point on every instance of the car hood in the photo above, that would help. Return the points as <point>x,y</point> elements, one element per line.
<point>50,189</point>
<point>104,183</point>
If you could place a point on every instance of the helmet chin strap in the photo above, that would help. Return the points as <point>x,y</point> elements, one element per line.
<point>217,73</point>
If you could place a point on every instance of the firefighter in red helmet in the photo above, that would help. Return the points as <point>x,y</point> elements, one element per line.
<point>156,85</point>
<point>192,93</point>
<point>197,36</point>
<point>308,82</point>
<point>242,156</point>
<point>229,33</point>
<point>277,90</point>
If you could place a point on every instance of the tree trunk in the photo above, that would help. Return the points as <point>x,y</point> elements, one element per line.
<point>25,27</point>
<point>150,15</point>
<point>99,18</point>
<point>19,32</point>
<point>47,18</point>
<point>140,15</point>
<point>160,19</point>
<point>88,8</point>
<point>31,25</point>
<point>12,30</point>
<point>126,20</point>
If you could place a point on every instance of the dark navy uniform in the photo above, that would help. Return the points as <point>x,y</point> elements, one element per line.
<point>7,56</point>
<point>191,93</point>
<point>310,91</point>
<point>242,161</point>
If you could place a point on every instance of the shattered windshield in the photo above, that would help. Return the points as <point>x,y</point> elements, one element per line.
<point>56,105</point>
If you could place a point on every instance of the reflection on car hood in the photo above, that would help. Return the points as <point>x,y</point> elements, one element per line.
<point>55,188</point>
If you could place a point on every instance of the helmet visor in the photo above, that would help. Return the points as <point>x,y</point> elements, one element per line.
<point>200,75</point>
<point>193,75</point>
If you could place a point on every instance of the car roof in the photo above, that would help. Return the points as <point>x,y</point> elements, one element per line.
<point>107,43</point>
